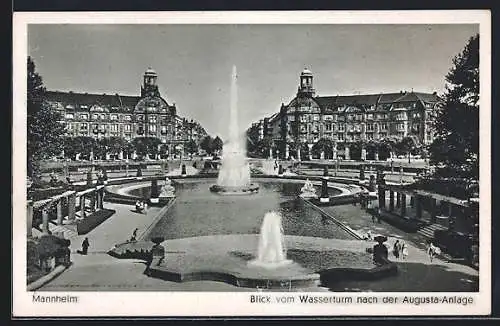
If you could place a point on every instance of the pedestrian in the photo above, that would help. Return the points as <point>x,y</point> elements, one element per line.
<point>369,235</point>
<point>432,251</point>
<point>373,218</point>
<point>396,249</point>
<point>85,246</point>
<point>404,250</point>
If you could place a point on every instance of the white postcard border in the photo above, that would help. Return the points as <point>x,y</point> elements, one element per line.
<point>228,303</point>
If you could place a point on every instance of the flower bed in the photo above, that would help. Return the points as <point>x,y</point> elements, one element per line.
<point>93,220</point>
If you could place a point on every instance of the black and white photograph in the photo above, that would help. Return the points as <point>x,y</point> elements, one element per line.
<point>303,166</point>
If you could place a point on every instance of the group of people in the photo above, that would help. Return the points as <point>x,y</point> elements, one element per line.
<point>400,249</point>
<point>141,206</point>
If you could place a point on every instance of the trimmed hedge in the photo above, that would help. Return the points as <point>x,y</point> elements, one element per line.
<point>405,224</point>
<point>93,220</point>
<point>453,243</point>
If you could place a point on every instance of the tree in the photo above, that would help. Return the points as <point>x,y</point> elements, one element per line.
<point>408,145</point>
<point>217,144</point>
<point>455,150</point>
<point>207,144</point>
<point>192,147</point>
<point>263,146</point>
<point>45,131</point>
<point>323,145</point>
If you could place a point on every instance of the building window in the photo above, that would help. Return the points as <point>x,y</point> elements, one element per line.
<point>369,116</point>
<point>328,118</point>
<point>400,127</point>
<point>140,117</point>
<point>163,129</point>
<point>415,127</point>
<point>114,117</point>
<point>69,116</point>
<point>316,117</point>
<point>401,116</point>
<point>83,126</point>
<point>370,127</point>
<point>127,118</point>
<point>114,127</point>
<point>152,128</point>
<point>369,136</point>
<point>84,116</point>
<point>127,127</point>
<point>341,127</point>
<point>69,126</point>
<point>103,117</point>
<point>328,127</point>
<point>152,119</point>
<point>303,118</point>
<point>382,135</point>
<point>95,116</point>
<point>291,118</point>
<point>383,126</point>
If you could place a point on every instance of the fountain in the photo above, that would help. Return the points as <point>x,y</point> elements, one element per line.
<point>307,191</point>
<point>271,250</point>
<point>234,174</point>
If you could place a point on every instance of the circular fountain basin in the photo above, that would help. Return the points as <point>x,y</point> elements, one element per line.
<point>230,259</point>
<point>228,190</point>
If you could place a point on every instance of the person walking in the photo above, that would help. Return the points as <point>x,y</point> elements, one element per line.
<point>404,250</point>
<point>396,248</point>
<point>432,251</point>
<point>85,246</point>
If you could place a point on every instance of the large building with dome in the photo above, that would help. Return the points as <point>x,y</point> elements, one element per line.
<point>347,120</point>
<point>114,115</point>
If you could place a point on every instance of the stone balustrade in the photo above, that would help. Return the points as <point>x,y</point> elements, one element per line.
<point>96,196</point>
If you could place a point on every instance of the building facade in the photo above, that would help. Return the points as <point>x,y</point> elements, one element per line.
<point>346,120</point>
<point>128,117</point>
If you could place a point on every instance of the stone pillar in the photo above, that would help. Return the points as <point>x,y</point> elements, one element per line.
<point>310,146</point>
<point>287,151</point>
<point>45,221</point>
<point>120,156</point>
<point>98,199</point>
<point>418,204</point>
<point>29,218</point>
<point>381,197</point>
<point>433,209</point>
<point>298,154</point>
<point>403,205</point>
<point>82,206</point>
<point>400,174</point>
<point>336,167</point>
<point>412,201</point>
<point>346,153</point>
<point>71,206</point>
<point>59,212</point>
<point>334,153</point>
<point>363,154</point>
<point>271,153</point>
<point>376,155</point>
<point>398,200</point>
<point>391,200</point>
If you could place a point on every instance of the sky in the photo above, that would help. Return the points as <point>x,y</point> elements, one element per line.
<point>194,62</point>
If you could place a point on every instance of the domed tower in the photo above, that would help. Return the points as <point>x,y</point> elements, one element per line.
<point>149,87</point>
<point>306,88</point>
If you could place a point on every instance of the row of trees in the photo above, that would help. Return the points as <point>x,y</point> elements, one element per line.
<point>384,148</point>
<point>113,146</point>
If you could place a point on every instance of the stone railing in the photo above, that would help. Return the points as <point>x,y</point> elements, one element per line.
<point>70,198</point>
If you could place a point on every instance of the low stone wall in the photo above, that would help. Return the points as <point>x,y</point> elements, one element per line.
<point>333,275</point>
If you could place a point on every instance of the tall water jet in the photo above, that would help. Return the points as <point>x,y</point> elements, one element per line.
<point>271,249</point>
<point>234,174</point>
